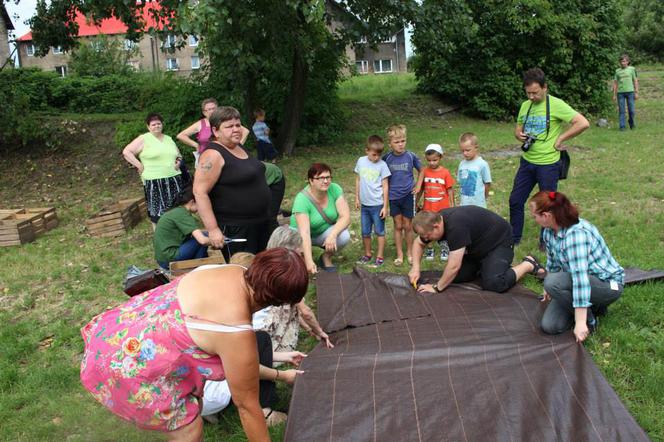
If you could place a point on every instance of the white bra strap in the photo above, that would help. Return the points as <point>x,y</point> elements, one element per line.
<point>219,327</point>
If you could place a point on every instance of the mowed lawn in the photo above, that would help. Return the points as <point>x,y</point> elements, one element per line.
<point>52,287</point>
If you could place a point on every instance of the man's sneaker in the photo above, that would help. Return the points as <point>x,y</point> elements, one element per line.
<point>444,251</point>
<point>379,262</point>
<point>429,254</point>
<point>366,259</point>
<point>592,322</point>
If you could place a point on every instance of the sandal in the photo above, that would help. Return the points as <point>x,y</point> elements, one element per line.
<point>536,267</point>
<point>275,418</point>
<point>398,261</point>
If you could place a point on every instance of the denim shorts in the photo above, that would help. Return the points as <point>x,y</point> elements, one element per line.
<point>370,216</point>
<point>404,206</point>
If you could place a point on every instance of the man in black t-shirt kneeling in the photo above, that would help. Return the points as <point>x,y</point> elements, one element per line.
<point>480,244</point>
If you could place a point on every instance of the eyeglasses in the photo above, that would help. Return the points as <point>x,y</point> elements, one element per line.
<point>323,178</point>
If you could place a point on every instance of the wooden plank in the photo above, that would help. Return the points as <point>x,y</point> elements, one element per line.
<point>101,225</point>
<point>108,229</point>
<point>11,211</point>
<point>101,218</point>
<point>10,243</point>
<point>50,225</point>
<point>181,267</point>
<point>18,224</point>
<point>17,235</point>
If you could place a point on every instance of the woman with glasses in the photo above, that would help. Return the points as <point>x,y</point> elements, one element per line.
<point>322,216</point>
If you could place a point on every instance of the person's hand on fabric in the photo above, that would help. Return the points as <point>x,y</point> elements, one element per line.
<point>426,288</point>
<point>288,376</point>
<point>545,297</point>
<point>521,136</point>
<point>330,243</point>
<point>383,213</point>
<point>140,169</point>
<point>325,338</point>
<point>216,238</point>
<point>293,357</point>
<point>581,331</point>
<point>559,145</point>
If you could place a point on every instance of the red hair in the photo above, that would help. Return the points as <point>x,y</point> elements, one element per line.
<point>277,276</point>
<point>316,169</point>
<point>564,212</point>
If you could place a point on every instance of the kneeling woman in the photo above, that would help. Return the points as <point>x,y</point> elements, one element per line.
<point>322,216</point>
<point>178,235</point>
<point>147,360</point>
<point>583,277</point>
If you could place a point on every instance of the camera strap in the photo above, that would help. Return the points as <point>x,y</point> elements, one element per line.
<point>548,118</point>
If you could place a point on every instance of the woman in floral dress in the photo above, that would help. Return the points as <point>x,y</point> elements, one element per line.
<point>147,360</point>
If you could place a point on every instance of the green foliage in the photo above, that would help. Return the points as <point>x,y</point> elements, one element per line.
<point>100,57</point>
<point>474,53</point>
<point>644,29</point>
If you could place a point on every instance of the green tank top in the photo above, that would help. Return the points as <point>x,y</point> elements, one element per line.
<point>158,157</point>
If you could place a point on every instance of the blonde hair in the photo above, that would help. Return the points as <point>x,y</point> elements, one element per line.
<point>469,137</point>
<point>242,258</point>
<point>396,130</point>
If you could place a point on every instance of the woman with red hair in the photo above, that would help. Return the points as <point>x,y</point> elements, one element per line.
<point>583,277</point>
<point>147,360</point>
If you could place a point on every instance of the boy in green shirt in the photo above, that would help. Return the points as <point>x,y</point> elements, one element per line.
<point>178,236</point>
<point>625,90</point>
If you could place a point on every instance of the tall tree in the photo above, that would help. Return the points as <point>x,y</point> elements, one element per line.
<point>284,55</point>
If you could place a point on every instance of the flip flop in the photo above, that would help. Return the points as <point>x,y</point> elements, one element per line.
<point>536,267</point>
<point>398,261</point>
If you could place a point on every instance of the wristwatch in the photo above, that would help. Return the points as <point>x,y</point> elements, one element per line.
<point>436,289</point>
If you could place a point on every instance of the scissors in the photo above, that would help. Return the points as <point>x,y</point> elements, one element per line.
<point>230,240</point>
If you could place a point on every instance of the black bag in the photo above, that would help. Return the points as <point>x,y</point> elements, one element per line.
<point>565,161</point>
<point>145,281</point>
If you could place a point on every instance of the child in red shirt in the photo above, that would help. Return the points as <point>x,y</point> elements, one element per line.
<point>436,184</point>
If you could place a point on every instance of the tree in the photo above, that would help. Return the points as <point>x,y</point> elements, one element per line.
<point>103,56</point>
<point>644,23</point>
<point>279,55</point>
<point>474,52</point>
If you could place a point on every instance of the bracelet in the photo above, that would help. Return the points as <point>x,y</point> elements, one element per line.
<point>277,377</point>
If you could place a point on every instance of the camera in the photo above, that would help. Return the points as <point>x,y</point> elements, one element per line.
<point>530,140</point>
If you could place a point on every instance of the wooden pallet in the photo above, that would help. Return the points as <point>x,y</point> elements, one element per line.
<point>116,219</point>
<point>19,226</point>
<point>181,267</point>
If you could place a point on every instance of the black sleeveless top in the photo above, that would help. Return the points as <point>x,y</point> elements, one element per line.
<point>241,195</point>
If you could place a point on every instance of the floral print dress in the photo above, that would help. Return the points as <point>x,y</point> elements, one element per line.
<point>141,363</point>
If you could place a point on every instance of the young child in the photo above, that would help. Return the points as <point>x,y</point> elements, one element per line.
<point>436,184</point>
<point>625,90</point>
<point>178,236</point>
<point>474,175</point>
<point>371,193</point>
<point>401,189</point>
<point>264,147</point>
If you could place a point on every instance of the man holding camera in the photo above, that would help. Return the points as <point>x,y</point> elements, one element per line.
<point>540,128</point>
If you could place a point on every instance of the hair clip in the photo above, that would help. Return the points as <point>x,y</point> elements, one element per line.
<point>552,196</point>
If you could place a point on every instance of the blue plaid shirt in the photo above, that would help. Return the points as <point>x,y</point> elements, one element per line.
<point>581,251</point>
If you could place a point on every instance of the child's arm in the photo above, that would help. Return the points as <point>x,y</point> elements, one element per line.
<point>450,196</point>
<point>487,188</point>
<point>200,237</point>
<point>386,193</point>
<point>418,166</point>
<point>418,188</point>
<point>615,90</point>
<point>357,191</point>
<point>636,88</point>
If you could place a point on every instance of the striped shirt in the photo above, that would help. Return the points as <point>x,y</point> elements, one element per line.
<point>581,251</point>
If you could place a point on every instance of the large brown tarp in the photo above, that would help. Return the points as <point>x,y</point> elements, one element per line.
<point>465,365</point>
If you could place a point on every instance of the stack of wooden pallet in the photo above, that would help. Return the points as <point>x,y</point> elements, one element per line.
<point>117,218</point>
<point>19,226</point>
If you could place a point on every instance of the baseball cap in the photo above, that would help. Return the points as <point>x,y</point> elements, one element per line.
<point>434,148</point>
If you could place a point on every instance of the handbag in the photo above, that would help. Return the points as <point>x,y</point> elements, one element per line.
<point>320,211</point>
<point>145,281</point>
<point>565,161</point>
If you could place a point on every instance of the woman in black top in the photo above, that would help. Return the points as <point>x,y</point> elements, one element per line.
<point>230,188</point>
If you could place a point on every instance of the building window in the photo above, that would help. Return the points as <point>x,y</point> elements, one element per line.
<point>381,66</point>
<point>170,41</point>
<point>195,62</point>
<point>172,64</point>
<point>362,66</point>
<point>61,70</point>
<point>30,50</point>
<point>129,45</point>
<point>193,40</point>
<point>57,50</point>
<point>392,39</point>
<point>363,40</point>
<point>96,46</point>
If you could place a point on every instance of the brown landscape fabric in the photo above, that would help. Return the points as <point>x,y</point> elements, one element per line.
<point>638,276</point>
<point>465,365</point>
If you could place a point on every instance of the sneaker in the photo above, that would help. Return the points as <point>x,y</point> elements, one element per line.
<point>429,254</point>
<point>366,259</point>
<point>379,262</point>
<point>444,251</point>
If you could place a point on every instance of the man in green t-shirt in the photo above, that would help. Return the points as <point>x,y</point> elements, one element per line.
<point>625,90</point>
<point>540,128</point>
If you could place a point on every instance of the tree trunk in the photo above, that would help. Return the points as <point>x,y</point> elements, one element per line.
<point>292,115</point>
<point>250,98</point>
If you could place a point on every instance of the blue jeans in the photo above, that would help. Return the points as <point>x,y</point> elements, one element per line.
<point>370,216</point>
<point>190,249</point>
<point>626,97</point>
<point>529,174</point>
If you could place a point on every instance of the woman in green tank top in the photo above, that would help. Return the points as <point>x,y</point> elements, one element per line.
<point>158,160</point>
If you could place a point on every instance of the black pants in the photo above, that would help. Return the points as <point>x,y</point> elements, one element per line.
<point>277,190</point>
<point>255,234</point>
<point>267,390</point>
<point>494,269</point>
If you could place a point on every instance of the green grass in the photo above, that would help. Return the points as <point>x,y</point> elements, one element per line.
<point>52,287</point>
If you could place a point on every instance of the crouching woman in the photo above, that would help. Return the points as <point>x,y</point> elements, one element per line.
<point>583,277</point>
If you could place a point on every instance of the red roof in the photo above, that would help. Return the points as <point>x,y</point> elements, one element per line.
<point>109,26</point>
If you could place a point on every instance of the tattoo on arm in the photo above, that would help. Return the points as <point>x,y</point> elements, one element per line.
<point>207,166</point>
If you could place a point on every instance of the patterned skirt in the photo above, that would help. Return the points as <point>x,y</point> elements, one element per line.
<point>159,195</point>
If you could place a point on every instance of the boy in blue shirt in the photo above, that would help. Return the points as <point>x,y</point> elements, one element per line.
<point>473,175</point>
<point>264,148</point>
<point>401,189</point>
<point>371,193</point>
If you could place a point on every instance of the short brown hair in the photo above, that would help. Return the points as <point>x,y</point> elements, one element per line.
<point>316,169</point>
<point>396,130</point>
<point>208,101</point>
<point>468,137</point>
<point>375,143</point>
<point>223,113</point>
<point>153,116</point>
<point>564,212</point>
<point>258,112</point>
<point>424,221</point>
<point>277,276</point>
